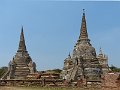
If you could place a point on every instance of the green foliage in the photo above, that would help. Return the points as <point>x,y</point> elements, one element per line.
<point>114,69</point>
<point>57,70</point>
<point>2,71</point>
<point>54,71</point>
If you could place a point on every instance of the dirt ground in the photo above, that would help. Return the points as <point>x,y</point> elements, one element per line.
<point>53,88</point>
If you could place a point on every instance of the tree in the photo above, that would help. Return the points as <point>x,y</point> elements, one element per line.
<point>54,71</point>
<point>114,68</point>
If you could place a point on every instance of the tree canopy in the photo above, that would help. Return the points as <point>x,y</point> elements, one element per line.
<point>114,68</point>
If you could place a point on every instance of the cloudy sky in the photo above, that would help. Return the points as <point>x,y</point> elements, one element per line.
<point>52,28</point>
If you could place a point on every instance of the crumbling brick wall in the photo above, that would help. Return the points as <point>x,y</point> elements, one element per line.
<point>110,81</point>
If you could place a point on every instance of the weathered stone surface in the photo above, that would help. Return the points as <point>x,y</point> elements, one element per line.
<point>21,64</point>
<point>111,81</point>
<point>103,60</point>
<point>84,63</point>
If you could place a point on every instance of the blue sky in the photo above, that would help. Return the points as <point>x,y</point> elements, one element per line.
<point>52,28</point>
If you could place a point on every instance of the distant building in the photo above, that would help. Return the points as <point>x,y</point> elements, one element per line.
<point>21,64</point>
<point>84,63</point>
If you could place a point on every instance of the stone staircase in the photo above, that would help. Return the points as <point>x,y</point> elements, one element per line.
<point>5,75</point>
<point>21,69</point>
<point>73,73</point>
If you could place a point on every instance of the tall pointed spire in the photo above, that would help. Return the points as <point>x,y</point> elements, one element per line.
<point>83,31</point>
<point>69,56</point>
<point>100,51</point>
<point>22,46</point>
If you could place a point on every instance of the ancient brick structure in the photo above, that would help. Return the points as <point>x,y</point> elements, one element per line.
<point>84,63</point>
<point>103,60</point>
<point>22,64</point>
